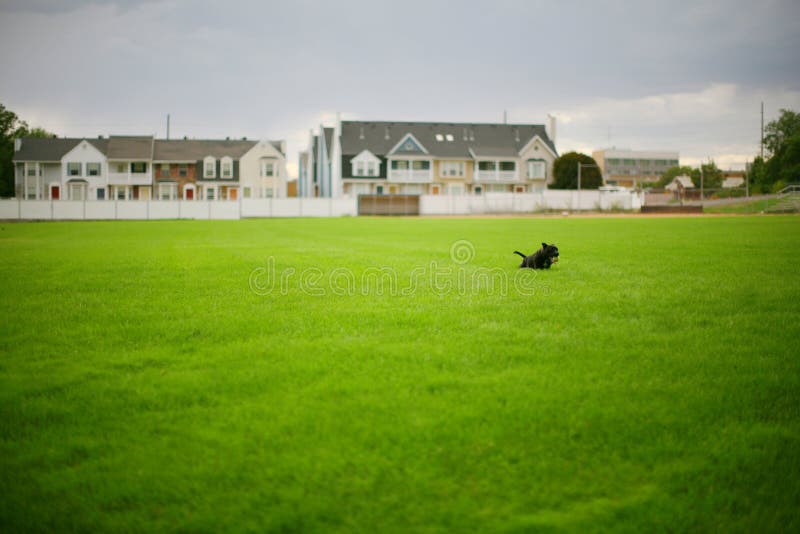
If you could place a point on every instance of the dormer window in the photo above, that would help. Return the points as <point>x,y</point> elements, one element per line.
<point>365,164</point>
<point>449,137</point>
<point>439,137</point>
<point>209,167</point>
<point>226,167</point>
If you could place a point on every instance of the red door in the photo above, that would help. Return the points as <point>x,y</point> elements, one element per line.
<point>190,194</point>
<point>55,192</point>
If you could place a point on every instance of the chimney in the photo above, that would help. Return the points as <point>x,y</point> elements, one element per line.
<point>386,136</point>
<point>551,128</point>
<point>283,146</point>
<point>17,145</point>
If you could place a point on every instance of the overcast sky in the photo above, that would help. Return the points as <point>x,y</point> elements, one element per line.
<point>685,76</point>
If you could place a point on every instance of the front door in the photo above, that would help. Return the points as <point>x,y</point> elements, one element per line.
<point>55,192</point>
<point>232,194</point>
<point>190,194</point>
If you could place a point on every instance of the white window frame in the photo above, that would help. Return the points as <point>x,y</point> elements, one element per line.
<point>212,161</point>
<point>99,167</point>
<point>532,170</point>
<point>226,167</point>
<point>212,190</point>
<point>79,168</point>
<point>268,168</point>
<point>170,189</point>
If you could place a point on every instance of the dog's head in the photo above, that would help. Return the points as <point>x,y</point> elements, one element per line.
<point>551,251</point>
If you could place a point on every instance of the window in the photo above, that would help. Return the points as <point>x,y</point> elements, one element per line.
<point>360,168</point>
<point>227,168</point>
<point>183,170</point>
<point>439,137</point>
<point>268,168</point>
<point>73,169</point>
<point>101,193</point>
<point>139,167</point>
<point>478,190</point>
<point>379,190</point>
<point>120,167</point>
<point>421,165</point>
<point>209,167</point>
<point>451,168</point>
<point>486,165</point>
<point>92,169</point>
<point>164,171</point>
<point>210,193</point>
<point>122,193</point>
<point>30,189</point>
<point>247,192</point>
<point>536,169</point>
<point>371,171</point>
<point>31,170</point>
<point>508,166</point>
<point>449,137</point>
<point>268,192</point>
<point>167,191</point>
<point>399,165</point>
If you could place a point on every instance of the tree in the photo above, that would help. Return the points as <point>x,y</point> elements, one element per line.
<point>565,172</point>
<point>782,141</point>
<point>778,132</point>
<point>11,127</point>
<point>671,173</point>
<point>711,176</point>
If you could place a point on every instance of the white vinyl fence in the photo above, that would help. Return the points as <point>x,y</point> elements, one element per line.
<point>488,203</point>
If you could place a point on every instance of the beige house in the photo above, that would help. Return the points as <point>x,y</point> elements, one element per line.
<point>370,157</point>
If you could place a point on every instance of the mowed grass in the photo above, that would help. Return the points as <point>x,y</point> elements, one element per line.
<point>650,382</point>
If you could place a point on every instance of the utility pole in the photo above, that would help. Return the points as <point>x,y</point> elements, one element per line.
<point>762,130</point>
<point>701,180</point>
<point>167,125</point>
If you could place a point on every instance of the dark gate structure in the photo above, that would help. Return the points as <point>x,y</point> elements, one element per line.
<point>388,204</point>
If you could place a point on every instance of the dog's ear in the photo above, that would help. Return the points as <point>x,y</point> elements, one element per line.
<point>544,245</point>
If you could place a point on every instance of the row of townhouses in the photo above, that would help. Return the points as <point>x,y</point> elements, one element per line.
<point>349,159</point>
<point>368,157</point>
<point>143,168</point>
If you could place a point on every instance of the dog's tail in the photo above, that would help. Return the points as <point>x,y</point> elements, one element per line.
<point>520,253</point>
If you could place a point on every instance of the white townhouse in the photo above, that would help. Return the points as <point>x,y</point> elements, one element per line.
<point>371,157</point>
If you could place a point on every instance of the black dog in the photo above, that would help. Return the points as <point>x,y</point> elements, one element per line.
<point>541,259</point>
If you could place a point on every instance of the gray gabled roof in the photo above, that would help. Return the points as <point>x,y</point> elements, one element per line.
<point>52,148</point>
<point>130,147</point>
<point>468,139</point>
<point>197,149</point>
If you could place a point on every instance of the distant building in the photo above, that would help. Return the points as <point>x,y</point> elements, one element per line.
<point>633,168</point>
<point>679,183</point>
<point>732,179</point>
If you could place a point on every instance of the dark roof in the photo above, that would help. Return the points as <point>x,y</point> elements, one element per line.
<point>197,149</point>
<point>130,147</point>
<point>485,140</point>
<point>53,148</point>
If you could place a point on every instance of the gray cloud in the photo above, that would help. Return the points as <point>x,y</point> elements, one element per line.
<point>275,68</point>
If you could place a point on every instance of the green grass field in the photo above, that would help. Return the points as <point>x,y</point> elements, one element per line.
<point>149,380</point>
